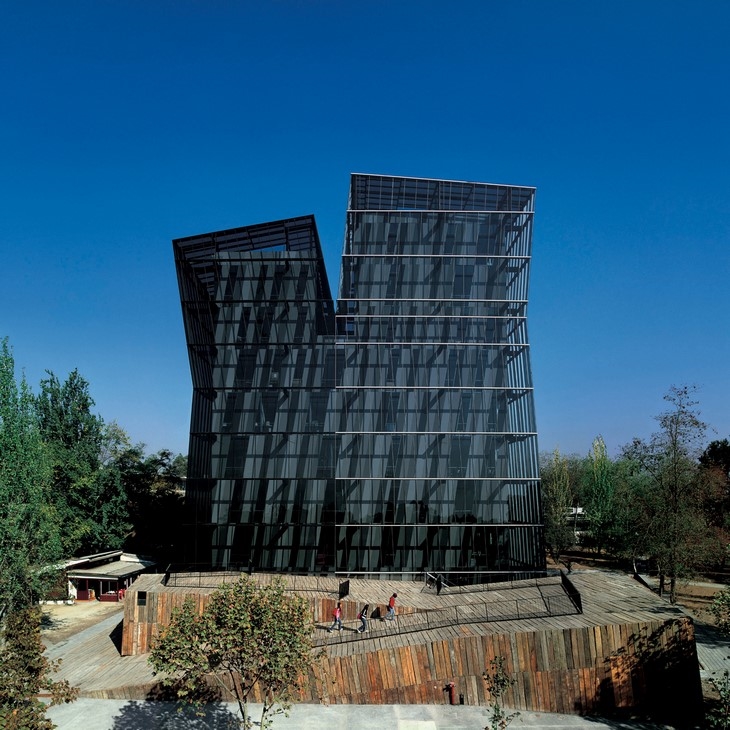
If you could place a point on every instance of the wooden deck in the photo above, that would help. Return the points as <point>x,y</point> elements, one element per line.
<point>627,650</point>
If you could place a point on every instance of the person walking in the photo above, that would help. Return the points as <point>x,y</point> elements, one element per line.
<point>363,616</point>
<point>337,616</point>
<point>391,607</point>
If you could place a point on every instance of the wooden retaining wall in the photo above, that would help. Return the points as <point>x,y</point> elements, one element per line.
<point>646,668</point>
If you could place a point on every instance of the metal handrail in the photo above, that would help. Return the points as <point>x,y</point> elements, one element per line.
<point>546,606</point>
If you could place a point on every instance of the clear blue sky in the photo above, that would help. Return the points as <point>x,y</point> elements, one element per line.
<point>128,124</point>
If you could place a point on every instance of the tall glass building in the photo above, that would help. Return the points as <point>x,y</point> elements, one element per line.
<point>394,437</point>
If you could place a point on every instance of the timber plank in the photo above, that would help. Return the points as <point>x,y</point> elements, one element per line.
<point>474,652</point>
<point>415,665</point>
<point>389,667</point>
<point>568,648</point>
<point>407,664</point>
<point>520,691</point>
<point>461,658</point>
<point>438,659</point>
<point>431,661</point>
<point>336,668</point>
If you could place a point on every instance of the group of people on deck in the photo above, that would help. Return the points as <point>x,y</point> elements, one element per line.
<point>362,616</point>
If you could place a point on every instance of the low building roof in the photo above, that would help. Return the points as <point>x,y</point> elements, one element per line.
<point>112,571</point>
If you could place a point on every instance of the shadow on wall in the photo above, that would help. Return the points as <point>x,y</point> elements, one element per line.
<point>665,679</point>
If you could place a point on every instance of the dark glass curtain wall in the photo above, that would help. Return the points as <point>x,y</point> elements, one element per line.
<point>438,451</point>
<point>259,322</point>
<point>395,437</point>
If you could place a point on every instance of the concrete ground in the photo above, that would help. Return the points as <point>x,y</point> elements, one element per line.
<point>135,715</point>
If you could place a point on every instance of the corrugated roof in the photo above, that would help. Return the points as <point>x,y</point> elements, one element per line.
<point>111,571</point>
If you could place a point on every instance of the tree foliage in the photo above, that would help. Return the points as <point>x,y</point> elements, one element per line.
<point>715,462</point>
<point>600,496</point>
<point>29,528</point>
<point>248,638</point>
<point>155,490</point>
<point>25,673</point>
<point>498,681</point>
<point>720,610</point>
<point>678,534</point>
<point>87,493</point>
<point>719,716</point>
<point>557,499</point>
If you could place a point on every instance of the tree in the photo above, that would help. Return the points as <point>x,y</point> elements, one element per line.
<point>600,496</point>
<point>719,716</point>
<point>29,546</point>
<point>248,638</point>
<point>628,537</point>
<point>87,492</point>
<point>557,500</point>
<point>155,489</point>
<point>678,534</point>
<point>25,673</point>
<point>28,526</point>
<point>498,682</point>
<point>720,609</point>
<point>715,461</point>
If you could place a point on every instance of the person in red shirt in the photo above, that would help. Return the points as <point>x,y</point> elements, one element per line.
<point>391,607</point>
<point>337,616</point>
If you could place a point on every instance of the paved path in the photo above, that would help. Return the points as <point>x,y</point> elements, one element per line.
<point>135,715</point>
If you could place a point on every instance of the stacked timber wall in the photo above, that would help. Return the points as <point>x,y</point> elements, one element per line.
<point>649,669</point>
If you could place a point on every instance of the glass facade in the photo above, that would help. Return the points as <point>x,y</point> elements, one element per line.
<point>259,322</point>
<point>396,436</point>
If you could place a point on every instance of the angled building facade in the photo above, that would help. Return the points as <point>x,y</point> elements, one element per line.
<point>259,323</point>
<point>394,436</point>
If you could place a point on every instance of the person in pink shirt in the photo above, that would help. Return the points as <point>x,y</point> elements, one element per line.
<point>337,616</point>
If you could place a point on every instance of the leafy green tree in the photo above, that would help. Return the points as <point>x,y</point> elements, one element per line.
<point>600,497</point>
<point>557,500</point>
<point>154,486</point>
<point>28,526</point>
<point>720,609</point>
<point>719,715</point>
<point>87,492</point>
<point>25,673</point>
<point>717,455</point>
<point>29,545</point>
<point>248,638</point>
<point>679,536</point>
<point>715,461</point>
<point>628,536</point>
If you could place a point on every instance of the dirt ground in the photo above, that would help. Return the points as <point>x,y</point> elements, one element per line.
<point>61,620</point>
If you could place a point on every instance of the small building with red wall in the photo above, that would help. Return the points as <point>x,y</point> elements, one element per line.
<point>104,576</point>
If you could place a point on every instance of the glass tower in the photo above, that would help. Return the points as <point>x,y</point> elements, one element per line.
<point>437,466</point>
<point>259,323</point>
<point>394,437</point>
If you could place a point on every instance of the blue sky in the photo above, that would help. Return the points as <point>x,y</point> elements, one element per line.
<point>126,125</point>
